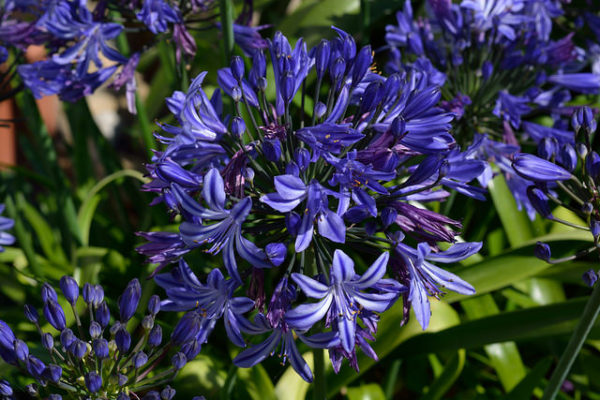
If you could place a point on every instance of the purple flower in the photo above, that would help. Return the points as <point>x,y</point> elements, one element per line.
<point>539,170</point>
<point>6,239</point>
<point>223,235</point>
<point>425,279</point>
<point>157,14</point>
<point>291,191</point>
<point>213,300</point>
<point>340,299</point>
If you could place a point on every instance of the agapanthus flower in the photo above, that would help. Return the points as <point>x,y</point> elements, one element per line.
<point>499,55</point>
<point>95,356</point>
<point>277,190</point>
<point>6,239</point>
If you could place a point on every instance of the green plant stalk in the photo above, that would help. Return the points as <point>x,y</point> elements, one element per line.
<point>23,238</point>
<point>590,313</point>
<point>226,7</point>
<point>319,383</point>
<point>365,12</point>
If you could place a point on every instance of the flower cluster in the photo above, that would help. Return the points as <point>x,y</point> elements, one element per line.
<point>566,176</point>
<point>79,40</point>
<point>100,359</point>
<point>500,71</point>
<point>284,182</point>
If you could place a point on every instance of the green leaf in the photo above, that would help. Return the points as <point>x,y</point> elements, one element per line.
<point>257,383</point>
<point>504,357</point>
<point>449,375</point>
<point>290,386</point>
<point>524,390</point>
<point>529,324</point>
<point>372,391</point>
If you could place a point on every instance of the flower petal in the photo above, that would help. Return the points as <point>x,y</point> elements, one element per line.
<point>342,268</point>
<point>310,287</point>
<point>375,272</point>
<point>306,315</point>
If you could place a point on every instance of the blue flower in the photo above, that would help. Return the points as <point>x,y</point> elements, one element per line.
<point>291,191</point>
<point>224,235</point>
<point>6,239</point>
<point>213,300</point>
<point>425,279</point>
<point>342,299</point>
<point>537,169</point>
<point>157,14</point>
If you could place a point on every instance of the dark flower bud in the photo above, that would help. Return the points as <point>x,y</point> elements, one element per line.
<point>89,293</point>
<point>55,396</point>
<point>547,148</point>
<point>587,208</point>
<point>187,328</point>
<point>167,393</point>
<point>276,253</point>
<point>123,340</point>
<point>372,97</point>
<point>398,127</point>
<point>567,157</point>
<point>261,83</point>
<point>21,350</point>
<point>291,168</point>
<point>129,300</point>
<point>292,223</point>
<point>595,227</point>
<point>53,373</point>
<point>585,119</point>
<point>98,295</point>
<point>31,313</point>
<point>191,349</point>
<point>590,277</point>
<point>237,68</point>
<point>322,58</point>
<point>48,341</point>
<point>55,315</point>
<point>154,305</point>
<point>148,322</point>
<point>95,330</point>
<point>539,201</point>
<point>258,70</point>
<point>155,336</point>
<point>392,86</point>
<point>70,289</point>
<point>101,349</point>
<point>139,360</point>
<point>35,366</point>
<point>7,337</point>
<point>542,251</point>
<point>592,165</point>
<point>32,389</point>
<point>153,395</point>
<point>238,126</point>
<point>582,150</point>
<point>115,328</point>
<point>337,69</point>
<point>123,396</point>
<point>5,388</point>
<point>178,360</point>
<point>78,348</point>
<point>103,314</point>
<point>122,380</point>
<point>486,70</point>
<point>287,84</point>
<point>236,93</point>
<point>362,62</point>
<point>302,157</point>
<point>93,381</point>
<point>67,338</point>
<point>48,293</point>
<point>388,216</point>
<point>272,149</point>
<point>320,110</point>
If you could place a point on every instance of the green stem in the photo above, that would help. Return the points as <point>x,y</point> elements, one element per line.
<point>227,28</point>
<point>590,313</point>
<point>319,383</point>
<point>365,11</point>
<point>24,239</point>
